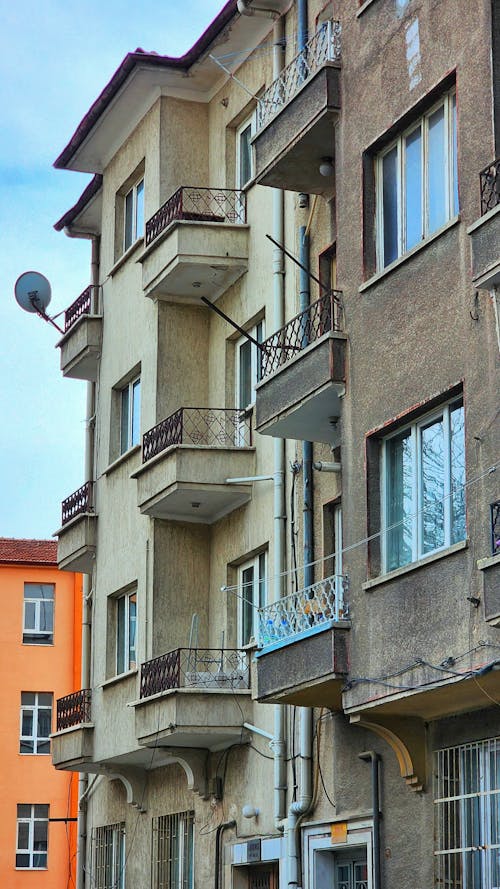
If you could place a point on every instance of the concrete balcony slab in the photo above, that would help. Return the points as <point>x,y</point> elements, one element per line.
<point>81,348</point>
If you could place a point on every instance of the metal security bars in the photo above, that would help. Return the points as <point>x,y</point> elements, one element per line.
<point>320,317</point>
<point>193,204</point>
<point>212,427</point>
<point>172,859</point>
<point>81,306</point>
<point>203,668</point>
<point>74,709</point>
<point>495,527</point>
<point>77,503</point>
<point>467,822</point>
<point>323,47</point>
<point>306,610</point>
<point>108,856</point>
<point>490,186</point>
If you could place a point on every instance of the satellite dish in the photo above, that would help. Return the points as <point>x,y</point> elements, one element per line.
<point>32,292</point>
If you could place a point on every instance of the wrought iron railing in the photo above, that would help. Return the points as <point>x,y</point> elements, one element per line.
<point>203,668</point>
<point>74,709</point>
<point>77,503</point>
<point>323,47</point>
<point>198,205</point>
<point>495,527</point>
<point>490,186</point>
<point>320,317</point>
<point>81,306</point>
<point>214,427</point>
<point>307,609</point>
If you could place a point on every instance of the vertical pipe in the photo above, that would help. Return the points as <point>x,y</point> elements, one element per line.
<point>374,759</point>
<point>307,449</point>
<point>301,24</point>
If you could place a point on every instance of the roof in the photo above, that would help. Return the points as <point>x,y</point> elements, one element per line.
<point>15,550</point>
<point>89,192</point>
<point>140,57</point>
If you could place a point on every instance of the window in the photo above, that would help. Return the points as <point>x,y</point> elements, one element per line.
<point>417,182</point>
<point>248,366</point>
<point>108,856</point>
<point>252,594</point>
<point>467,815</point>
<point>126,625</point>
<point>172,853</point>
<point>332,539</point>
<point>423,487</point>
<point>32,836</point>
<point>36,721</point>
<point>244,156</point>
<point>134,214</point>
<point>130,415</point>
<point>38,625</point>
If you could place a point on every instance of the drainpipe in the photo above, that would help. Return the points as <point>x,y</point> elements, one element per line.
<point>307,448</point>
<point>302,806</point>
<point>301,24</point>
<point>218,851</point>
<point>374,758</point>
<point>244,8</point>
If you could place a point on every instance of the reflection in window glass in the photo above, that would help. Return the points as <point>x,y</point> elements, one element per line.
<point>413,174</point>
<point>390,198</point>
<point>437,170</point>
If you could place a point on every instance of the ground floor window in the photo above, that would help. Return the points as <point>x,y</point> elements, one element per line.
<point>108,857</point>
<point>32,836</point>
<point>172,853</point>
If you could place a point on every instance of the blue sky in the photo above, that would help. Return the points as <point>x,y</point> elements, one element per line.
<point>55,57</point>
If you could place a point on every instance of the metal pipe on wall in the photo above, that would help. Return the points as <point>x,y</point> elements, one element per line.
<point>374,759</point>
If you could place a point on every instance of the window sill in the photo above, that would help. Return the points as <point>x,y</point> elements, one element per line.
<point>483,564</point>
<point>121,459</point>
<point>414,566</point>
<point>120,678</point>
<point>364,6</point>
<point>406,256</point>
<point>125,256</point>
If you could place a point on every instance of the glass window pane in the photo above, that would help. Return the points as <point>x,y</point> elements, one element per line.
<point>27,723</point>
<point>136,412</point>
<point>262,581</point>
<point>457,446</point>
<point>390,205</point>
<point>47,616</point>
<point>23,810</point>
<point>455,153</point>
<point>43,747</point>
<point>437,171</point>
<point>245,156</point>
<point>413,188</point>
<point>124,438</point>
<point>399,470</point>
<point>132,657</point>
<point>432,443</point>
<point>45,699</point>
<point>39,859</point>
<point>245,374</point>
<point>139,210</point>
<point>120,635</point>
<point>247,593</point>
<point>23,833</point>
<point>44,720</point>
<point>26,746</point>
<point>28,698</point>
<point>40,836</point>
<point>129,219</point>
<point>22,861</point>
<point>30,615</point>
<point>41,811</point>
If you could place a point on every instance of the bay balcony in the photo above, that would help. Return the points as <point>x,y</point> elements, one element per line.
<point>196,245</point>
<point>72,743</point>
<point>187,699</point>
<point>302,657</point>
<point>82,339</point>
<point>77,535</point>
<point>302,378</point>
<point>296,117</point>
<point>187,459</point>
<point>485,232</point>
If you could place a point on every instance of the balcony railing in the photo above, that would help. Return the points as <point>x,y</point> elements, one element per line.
<point>198,205</point>
<point>213,427</point>
<point>323,47</point>
<point>77,503</point>
<point>74,709</point>
<point>308,609</point>
<point>202,668</point>
<point>490,186</point>
<point>81,306</point>
<point>320,317</point>
<point>495,527</point>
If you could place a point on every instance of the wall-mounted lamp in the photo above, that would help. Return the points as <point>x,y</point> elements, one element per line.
<point>326,167</point>
<point>249,811</point>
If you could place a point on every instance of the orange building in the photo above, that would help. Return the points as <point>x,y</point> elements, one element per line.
<point>40,655</point>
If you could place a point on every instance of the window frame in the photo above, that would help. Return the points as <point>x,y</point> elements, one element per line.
<point>257,331</point>
<point>136,194</point>
<point>177,851</point>
<point>108,854</point>
<point>30,849</point>
<point>130,436</point>
<point>415,517</point>
<point>36,631</point>
<point>448,102</point>
<point>259,596</point>
<point>35,738</point>
<point>248,123</point>
<point>123,653</point>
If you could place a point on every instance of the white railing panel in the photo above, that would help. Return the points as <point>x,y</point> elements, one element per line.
<point>306,610</point>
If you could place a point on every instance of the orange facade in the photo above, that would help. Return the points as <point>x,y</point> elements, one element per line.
<point>40,659</point>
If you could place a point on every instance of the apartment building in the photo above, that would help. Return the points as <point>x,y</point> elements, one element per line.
<point>40,661</point>
<point>289,526</point>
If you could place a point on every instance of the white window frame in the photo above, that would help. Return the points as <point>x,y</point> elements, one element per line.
<point>30,849</point>
<point>415,428</point>
<point>256,597</point>
<point>130,436</point>
<point>256,331</point>
<point>129,634</point>
<point>35,739</point>
<point>173,849</point>
<point>319,851</point>
<point>108,856</point>
<point>248,122</point>
<point>37,631</point>
<point>448,102</point>
<point>136,196</point>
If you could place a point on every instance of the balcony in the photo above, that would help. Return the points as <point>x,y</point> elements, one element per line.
<point>296,117</point>
<point>187,459</point>
<point>490,570</point>
<point>485,232</point>
<point>196,245</point>
<point>72,744</point>
<point>303,654</point>
<point>194,697</point>
<point>81,343</point>
<point>77,535</point>
<point>303,376</point>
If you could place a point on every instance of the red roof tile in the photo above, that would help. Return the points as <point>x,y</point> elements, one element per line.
<point>39,551</point>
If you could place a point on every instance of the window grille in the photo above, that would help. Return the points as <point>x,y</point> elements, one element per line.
<point>172,853</point>
<point>263,877</point>
<point>467,816</point>
<point>108,848</point>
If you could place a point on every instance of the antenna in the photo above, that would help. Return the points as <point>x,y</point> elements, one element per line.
<point>32,292</point>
